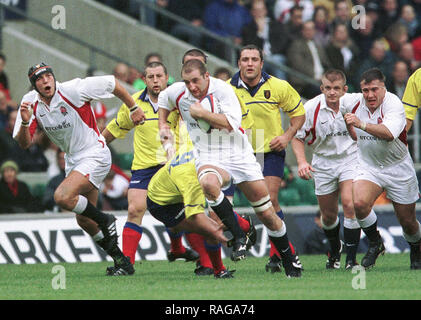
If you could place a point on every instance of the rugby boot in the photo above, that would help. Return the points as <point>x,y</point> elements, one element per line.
<point>334,259</point>
<point>239,248</point>
<point>224,274</point>
<point>121,268</point>
<point>188,255</point>
<point>274,264</point>
<point>203,271</point>
<point>292,268</point>
<point>415,256</point>
<point>375,248</point>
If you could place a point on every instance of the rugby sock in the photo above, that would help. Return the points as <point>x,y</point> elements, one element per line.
<point>223,208</point>
<point>244,224</point>
<point>352,234</point>
<point>132,233</point>
<point>332,234</point>
<point>273,250</point>
<point>197,243</point>
<point>214,252</point>
<point>369,226</point>
<point>280,242</point>
<point>176,242</point>
<point>87,209</point>
<point>414,239</point>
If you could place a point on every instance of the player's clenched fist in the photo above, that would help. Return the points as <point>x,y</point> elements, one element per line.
<point>352,119</point>
<point>137,115</point>
<point>26,111</point>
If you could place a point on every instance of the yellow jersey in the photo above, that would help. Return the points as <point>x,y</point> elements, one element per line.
<point>177,182</point>
<point>263,103</point>
<point>412,96</point>
<point>148,150</point>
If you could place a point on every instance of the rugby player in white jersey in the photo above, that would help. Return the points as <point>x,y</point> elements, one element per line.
<point>333,165</point>
<point>376,120</point>
<point>224,154</point>
<point>64,112</point>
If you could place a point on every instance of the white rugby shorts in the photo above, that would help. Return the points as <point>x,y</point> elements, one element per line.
<point>399,180</point>
<point>330,172</point>
<point>243,167</point>
<point>94,164</point>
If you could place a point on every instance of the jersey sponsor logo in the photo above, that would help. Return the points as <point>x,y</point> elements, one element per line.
<point>266,94</point>
<point>41,115</point>
<point>63,125</point>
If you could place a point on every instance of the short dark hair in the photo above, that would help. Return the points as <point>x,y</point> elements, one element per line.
<point>251,47</point>
<point>150,55</point>
<point>334,74</point>
<point>373,74</point>
<point>195,53</point>
<point>156,64</point>
<point>194,64</point>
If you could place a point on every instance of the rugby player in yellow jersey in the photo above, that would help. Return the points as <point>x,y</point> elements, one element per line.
<point>263,96</point>
<point>175,198</point>
<point>412,97</point>
<point>149,157</point>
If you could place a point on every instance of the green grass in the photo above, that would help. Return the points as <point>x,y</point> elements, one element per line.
<point>391,278</point>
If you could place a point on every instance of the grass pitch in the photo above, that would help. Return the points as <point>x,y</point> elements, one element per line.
<point>391,278</point>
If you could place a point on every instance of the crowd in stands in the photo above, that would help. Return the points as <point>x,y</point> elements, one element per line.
<point>307,36</point>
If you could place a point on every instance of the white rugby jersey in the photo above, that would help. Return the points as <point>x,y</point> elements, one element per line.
<point>226,102</point>
<point>391,113</point>
<point>69,120</point>
<point>326,130</point>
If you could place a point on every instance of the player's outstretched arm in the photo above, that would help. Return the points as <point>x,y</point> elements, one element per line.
<point>108,136</point>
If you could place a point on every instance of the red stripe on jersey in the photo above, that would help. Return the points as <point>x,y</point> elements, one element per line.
<point>241,129</point>
<point>34,123</point>
<point>177,101</point>
<point>355,107</point>
<point>85,112</point>
<point>313,128</point>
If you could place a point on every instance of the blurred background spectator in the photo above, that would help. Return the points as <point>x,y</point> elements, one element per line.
<point>397,82</point>
<point>226,18</point>
<point>15,196</point>
<point>48,196</point>
<point>265,33</point>
<point>222,73</point>
<point>306,56</point>
<point>114,191</point>
<point>282,9</point>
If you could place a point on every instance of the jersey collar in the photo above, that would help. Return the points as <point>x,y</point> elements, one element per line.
<point>238,83</point>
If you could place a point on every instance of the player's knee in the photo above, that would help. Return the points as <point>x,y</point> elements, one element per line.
<point>62,199</point>
<point>136,211</point>
<point>361,207</point>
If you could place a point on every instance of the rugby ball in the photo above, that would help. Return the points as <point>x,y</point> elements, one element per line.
<point>208,103</point>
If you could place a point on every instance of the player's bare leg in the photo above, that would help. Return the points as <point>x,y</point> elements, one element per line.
<point>364,195</point>
<point>411,231</point>
<point>256,192</point>
<point>328,204</point>
<point>211,180</point>
<point>69,196</point>
<point>352,229</point>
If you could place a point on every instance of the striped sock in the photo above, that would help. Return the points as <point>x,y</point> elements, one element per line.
<point>197,243</point>
<point>214,252</point>
<point>132,233</point>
